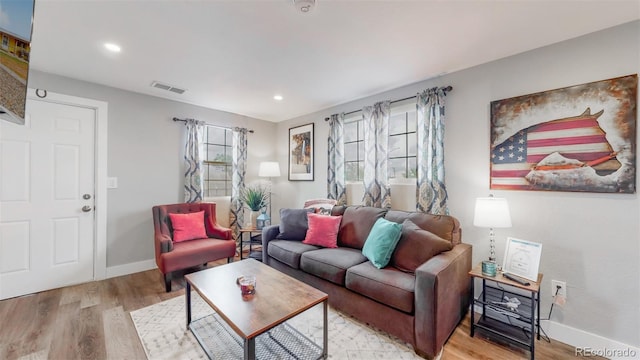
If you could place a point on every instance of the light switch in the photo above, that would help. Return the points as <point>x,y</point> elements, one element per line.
<point>112,183</point>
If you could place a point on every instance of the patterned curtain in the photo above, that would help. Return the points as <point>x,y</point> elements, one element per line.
<point>431,193</point>
<point>376,150</point>
<point>335,173</point>
<point>193,181</point>
<point>239,167</point>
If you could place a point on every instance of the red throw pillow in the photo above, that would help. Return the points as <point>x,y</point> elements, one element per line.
<point>323,230</point>
<point>188,226</point>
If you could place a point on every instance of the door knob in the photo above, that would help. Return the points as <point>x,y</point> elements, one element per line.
<point>86,208</point>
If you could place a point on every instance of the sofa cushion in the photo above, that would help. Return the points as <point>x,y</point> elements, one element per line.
<point>356,224</point>
<point>381,242</point>
<point>198,251</point>
<point>323,230</point>
<point>293,224</point>
<point>416,246</point>
<point>331,264</point>
<point>445,226</point>
<point>188,226</point>
<point>288,252</point>
<point>388,286</point>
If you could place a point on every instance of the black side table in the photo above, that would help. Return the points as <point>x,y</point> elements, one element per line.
<point>516,326</point>
<point>255,238</point>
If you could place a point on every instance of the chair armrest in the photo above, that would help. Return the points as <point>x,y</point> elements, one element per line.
<point>214,230</point>
<point>220,232</point>
<point>442,296</point>
<point>164,243</point>
<point>268,233</point>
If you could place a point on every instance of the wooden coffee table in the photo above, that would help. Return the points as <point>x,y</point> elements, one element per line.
<point>278,298</point>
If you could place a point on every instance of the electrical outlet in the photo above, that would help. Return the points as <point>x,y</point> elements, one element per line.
<point>563,288</point>
<point>112,183</point>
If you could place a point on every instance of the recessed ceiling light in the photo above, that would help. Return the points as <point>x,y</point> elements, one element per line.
<point>112,47</point>
<point>277,97</point>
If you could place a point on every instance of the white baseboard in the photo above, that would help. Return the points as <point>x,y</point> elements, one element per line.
<point>586,343</point>
<point>126,269</point>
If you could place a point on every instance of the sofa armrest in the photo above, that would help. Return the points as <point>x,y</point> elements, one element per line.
<point>268,233</point>
<point>442,297</point>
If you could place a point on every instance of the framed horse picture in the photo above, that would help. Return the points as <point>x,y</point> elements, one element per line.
<point>578,138</point>
<point>301,153</point>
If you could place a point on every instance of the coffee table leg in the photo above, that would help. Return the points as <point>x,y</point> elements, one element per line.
<point>325,332</point>
<point>187,297</point>
<point>250,349</point>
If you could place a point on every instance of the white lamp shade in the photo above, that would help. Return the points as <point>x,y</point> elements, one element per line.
<point>269,169</point>
<point>492,212</point>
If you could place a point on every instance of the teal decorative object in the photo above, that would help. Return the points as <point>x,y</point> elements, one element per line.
<point>263,220</point>
<point>489,268</point>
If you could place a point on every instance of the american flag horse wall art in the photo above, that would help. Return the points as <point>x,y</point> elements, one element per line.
<point>579,138</point>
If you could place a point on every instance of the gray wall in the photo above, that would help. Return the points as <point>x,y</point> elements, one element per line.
<point>145,151</point>
<point>591,241</point>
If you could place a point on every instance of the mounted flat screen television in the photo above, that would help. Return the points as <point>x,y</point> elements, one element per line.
<point>16,23</point>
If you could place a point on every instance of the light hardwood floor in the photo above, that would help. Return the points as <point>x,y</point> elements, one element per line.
<point>91,321</point>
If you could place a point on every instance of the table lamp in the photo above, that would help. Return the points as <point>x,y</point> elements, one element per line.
<point>491,212</point>
<point>268,169</point>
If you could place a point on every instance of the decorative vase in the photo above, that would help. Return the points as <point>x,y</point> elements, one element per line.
<point>253,218</point>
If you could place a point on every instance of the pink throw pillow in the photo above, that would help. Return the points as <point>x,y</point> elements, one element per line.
<point>188,226</point>
<point>323,230</point>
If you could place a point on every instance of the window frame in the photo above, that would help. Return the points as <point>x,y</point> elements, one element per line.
<point>407,106</point>
<point>227,145</point>
<point>359,162</point>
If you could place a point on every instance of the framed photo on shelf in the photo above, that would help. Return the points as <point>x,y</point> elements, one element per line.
<point>522,258</point>
<point>301,153</point>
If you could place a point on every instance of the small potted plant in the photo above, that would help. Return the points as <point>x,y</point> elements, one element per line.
<point>255,198</point>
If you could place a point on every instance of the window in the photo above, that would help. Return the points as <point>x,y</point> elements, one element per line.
<point>217,161</point>
<point>353,151</point>
<point>402,145</point>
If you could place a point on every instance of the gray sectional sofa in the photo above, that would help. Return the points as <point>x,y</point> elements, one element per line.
<point>420,297</point>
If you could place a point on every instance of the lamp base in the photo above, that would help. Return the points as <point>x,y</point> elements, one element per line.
<point>489,268</point>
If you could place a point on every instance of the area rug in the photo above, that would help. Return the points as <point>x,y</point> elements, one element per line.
<point>161,328</point>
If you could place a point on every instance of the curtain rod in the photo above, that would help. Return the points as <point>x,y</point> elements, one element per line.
<point>446,89</point>
<point>217,126</point>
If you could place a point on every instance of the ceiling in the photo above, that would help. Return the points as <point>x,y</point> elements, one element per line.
<point>235,55</point>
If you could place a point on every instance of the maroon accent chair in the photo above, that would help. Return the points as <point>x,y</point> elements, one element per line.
<point>172,256</point>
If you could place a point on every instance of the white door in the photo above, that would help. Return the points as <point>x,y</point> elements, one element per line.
<point>47,198</point>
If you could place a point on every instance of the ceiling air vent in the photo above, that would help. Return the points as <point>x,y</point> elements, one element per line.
<point>159,85</point>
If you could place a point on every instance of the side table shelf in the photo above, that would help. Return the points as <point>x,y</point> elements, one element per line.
<point>516,324</point>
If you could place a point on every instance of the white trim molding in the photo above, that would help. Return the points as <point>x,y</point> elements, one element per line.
<point>588,344</point>
<point>131,268</point>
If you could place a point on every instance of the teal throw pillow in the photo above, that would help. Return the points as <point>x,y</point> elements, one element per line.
<point>381,242</point>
